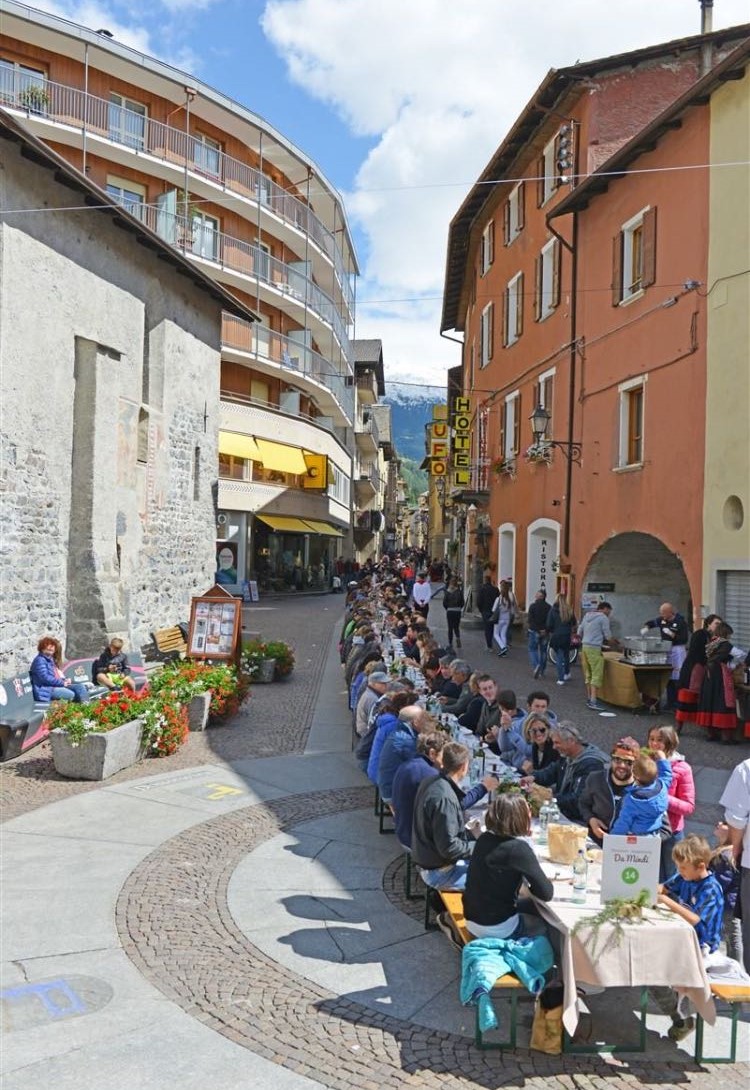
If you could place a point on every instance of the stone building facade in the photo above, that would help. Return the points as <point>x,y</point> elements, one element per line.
<point>109,350</point>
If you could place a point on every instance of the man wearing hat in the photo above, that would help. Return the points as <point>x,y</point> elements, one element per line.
<point>604,790</point>
<point>376,686</point>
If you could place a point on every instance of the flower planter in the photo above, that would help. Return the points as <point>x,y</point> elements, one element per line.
<point>278,676</point>
<point>197,711</point>
<point>266,672</point>
<point>99,755</point>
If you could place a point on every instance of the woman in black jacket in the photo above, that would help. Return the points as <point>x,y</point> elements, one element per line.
<point>453,603</point>
<point>561,623</point>
<point>500,863</point>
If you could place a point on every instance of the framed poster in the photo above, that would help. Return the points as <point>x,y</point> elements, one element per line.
<point>214,627</point>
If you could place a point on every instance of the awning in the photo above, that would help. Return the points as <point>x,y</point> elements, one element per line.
<point>285,523</point>
<point>323,528</point>
<point>280,457</point>
<point>241,446</point>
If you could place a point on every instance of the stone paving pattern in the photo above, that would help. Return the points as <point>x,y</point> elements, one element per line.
<point>175,925</point>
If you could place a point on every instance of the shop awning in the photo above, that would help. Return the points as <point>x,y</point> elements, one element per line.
<point>285,523</point>
<point>241,446</point>
<point>328,528</point>
<point>280,457</point>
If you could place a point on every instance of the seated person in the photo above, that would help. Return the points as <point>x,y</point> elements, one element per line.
<point>506,736</point>
<point>112,669</point>
<point>604,790</point>
<point>501,861</point>
<point>535,749</point>
<point>567,775</point>
<point>445,686</point>
<point>460,674</point>
<point>440,842</point>
<point>645,802</point>
<point>470,717</point>
<point>694,894</point>
<point>48,682</point>
<point>400,746</point>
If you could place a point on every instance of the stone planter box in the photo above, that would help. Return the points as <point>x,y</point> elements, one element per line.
<point>197,711</point>
<point>266,673</point>
<point>282,677</point>
<point>99,755</point>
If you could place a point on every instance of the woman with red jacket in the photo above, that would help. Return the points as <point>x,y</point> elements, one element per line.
<point>681,793</point>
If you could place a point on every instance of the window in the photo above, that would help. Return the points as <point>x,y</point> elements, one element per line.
<point>487,255</point>
<point>143,429</point>
<point>196,473</point>
<point>486,335</point>
<point>129,194</point>
<point>236,469</point>
<point>545,396</point>
<point>262,260</point>
<point>338,484</point>
<point>206,154</point>
<point>510,426</point>
<point>632,398</point>
<point>514,213</point>
<point>23,86</point>
<point>634,257</point>
<point>205,236</point>
<point>513,310</point>
<point>547,294</point>
<point>127,121</point>
<point>548,177</point>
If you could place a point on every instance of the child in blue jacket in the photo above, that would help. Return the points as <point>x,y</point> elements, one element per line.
<point>645,803</point>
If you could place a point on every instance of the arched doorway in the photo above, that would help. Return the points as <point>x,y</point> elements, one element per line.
<point>636,573</point>
<point>506,551</point>
<point>542,554</point>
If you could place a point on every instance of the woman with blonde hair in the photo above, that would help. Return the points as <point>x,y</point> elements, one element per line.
<point>561,624</point>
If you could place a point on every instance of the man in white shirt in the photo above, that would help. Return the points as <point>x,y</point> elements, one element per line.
<point>422,594</point>
<point>736,803</point>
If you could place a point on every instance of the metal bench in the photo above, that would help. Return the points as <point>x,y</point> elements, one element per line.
<point>22,719</point>
<point>510,984</point>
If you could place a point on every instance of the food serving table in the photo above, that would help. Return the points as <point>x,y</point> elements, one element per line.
<point>624,682</point>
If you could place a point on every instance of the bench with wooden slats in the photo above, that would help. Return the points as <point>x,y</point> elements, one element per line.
<point>170,643</point>
<point>735,995</point>
<point>454,907</point>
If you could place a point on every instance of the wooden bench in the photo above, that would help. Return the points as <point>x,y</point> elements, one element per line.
<point>735,995</point>
<point>170,643</point>
<point>22,719</point>
<point>454,907</point>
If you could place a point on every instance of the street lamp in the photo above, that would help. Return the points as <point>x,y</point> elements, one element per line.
<point>540,419</point>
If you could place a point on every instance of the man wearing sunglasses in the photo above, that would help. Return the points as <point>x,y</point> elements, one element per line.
<point>603,791</point>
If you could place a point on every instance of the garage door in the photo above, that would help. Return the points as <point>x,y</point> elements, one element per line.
<point>734,604</point>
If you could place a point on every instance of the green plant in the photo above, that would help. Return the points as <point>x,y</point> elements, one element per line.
<point>284,655</point>
<point>34,98</point>
<point>616,912</point>
<point>97,717</point>
<point>253,654</point>
<point>165,726</point>
<point>184,680</point>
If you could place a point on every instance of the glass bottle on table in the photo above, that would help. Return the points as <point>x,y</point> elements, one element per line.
<point>543,822</point>
<point>580,877</point>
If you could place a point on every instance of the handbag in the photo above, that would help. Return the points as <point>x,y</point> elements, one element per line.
<point>547,1027</point>
<point>576,640</point>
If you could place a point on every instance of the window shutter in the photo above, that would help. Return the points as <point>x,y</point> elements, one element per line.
<point>521,206</point>
<point>617,269</point>
<point>540,182</point>
<point>490,331</point>
<point>556,268</point>
<point>491,243</point>
<point>503,421</point>
<point>537,287</point>
<point>504,304</point>
<point>519,306</point>
<point>649,248</point>
<point>506,222</point>
<point>517,425</point>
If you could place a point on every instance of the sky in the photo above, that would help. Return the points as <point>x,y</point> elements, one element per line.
<point>399,102</point>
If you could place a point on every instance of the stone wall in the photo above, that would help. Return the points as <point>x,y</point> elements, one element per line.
<point>110,392</point>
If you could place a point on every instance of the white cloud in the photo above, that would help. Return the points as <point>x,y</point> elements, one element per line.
<point>99,16</point>
<point>439,84</point>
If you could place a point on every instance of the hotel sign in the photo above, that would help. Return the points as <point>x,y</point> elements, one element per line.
<point>461,448</point>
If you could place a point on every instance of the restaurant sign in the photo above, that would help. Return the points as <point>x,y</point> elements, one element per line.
<point>630,864</point>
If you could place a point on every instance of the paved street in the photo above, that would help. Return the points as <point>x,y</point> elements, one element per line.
<point>231,915</point>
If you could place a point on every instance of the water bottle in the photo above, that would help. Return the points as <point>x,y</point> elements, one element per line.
<point>554,813</point>
<point>476,772</point>
<point>543,822</point>
<point>580,878</point>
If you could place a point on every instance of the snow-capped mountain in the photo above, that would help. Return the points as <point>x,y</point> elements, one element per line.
<point>411,408</point>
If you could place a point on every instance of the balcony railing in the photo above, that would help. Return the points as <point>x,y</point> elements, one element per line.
<point>196,236</point>
<point>368,427</point>
<point>134,129</point>
<point>231,397</point>
<point>258,340</point>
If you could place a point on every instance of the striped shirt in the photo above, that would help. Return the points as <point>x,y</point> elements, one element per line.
<point>705,898</point>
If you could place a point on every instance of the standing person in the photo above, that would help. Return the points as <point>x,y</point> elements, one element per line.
<point>486,599</point>
<point>674,630</point>
<point>717,704</point>
<point>736,803</point>
<point>422,594</point>
<point>693,671</point>
<point>48,682</point>
<point>681,800</point>
<point>453,603</point>
<point>561,623</point>
<point>724,868</point>
<point>503,616</point>
<point>537,620</point>
<point>595,632</point>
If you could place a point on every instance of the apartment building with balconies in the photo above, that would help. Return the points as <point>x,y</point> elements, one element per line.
<point>369,472</point>
<point>251,210</point>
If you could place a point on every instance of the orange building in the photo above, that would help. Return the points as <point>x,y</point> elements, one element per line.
<point>574,271</point>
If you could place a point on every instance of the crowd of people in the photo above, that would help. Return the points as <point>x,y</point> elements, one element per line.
<point>643,788</point>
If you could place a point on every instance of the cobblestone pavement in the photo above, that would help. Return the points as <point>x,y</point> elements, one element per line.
<point>175,925</point>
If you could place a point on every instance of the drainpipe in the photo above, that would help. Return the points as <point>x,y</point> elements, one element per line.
<point>707,24</point>
<point>571,387</point>
<point>85,103</point>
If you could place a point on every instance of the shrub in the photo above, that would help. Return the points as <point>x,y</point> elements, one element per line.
<point>165,726</point>
<point>284,655</point>
<point>164,721</point>
<point>184,680</point>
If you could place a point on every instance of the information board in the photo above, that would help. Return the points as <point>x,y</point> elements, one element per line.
<point>215,620</point>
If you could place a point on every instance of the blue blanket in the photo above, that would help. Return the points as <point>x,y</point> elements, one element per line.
<point>484,960</point>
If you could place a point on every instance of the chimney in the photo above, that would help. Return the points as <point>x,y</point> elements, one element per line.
<point>707,23</point>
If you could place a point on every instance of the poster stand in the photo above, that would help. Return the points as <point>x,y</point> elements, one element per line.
<point>215,621</point>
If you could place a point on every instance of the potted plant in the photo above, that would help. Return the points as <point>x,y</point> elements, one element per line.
<point>164,726</point>
<point>538,454</point>
<point>284,656</point>
<point>185,682</point>
<point>257,662</point>
<point>504,467</point>
<point>34,98</point>
<point>93,741</point>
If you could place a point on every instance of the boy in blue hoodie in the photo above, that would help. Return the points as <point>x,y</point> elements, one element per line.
<point>645,803</point>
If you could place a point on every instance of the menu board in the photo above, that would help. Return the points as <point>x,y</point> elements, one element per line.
<point>214,627</point>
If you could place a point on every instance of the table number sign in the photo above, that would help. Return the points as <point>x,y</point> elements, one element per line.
<point>630,864</point>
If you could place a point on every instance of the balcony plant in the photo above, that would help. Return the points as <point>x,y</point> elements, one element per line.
<point>504,467</point>
<point>538,454</point>
<point>34,98</point>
